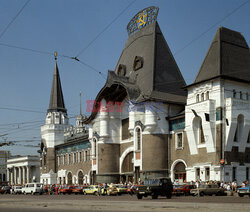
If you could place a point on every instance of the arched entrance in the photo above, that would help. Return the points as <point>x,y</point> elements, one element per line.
<point>178,171</point>
<point>80,178</point>
<point>69,176</point>
<point>128,168</point>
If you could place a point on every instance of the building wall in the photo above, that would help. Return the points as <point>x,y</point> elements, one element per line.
<point>154,152</point>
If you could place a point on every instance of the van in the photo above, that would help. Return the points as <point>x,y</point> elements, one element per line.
<point>32,188</point>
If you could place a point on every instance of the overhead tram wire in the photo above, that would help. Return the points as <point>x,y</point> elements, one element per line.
<point>99,34</point>
<point>100,73</point>
<point>211,27</point>
<point>14,18</point>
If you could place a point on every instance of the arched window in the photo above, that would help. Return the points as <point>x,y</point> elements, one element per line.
<point>202,97</point>
<point>94,147</point>
<point>138,138</point>
<point>207,95</point>
<point>239,128</point>
<point>240,95</point>
<point>198,130</point>
<point>197,98</point>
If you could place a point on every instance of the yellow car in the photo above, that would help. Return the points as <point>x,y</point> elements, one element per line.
<point>93,189</point>
<point>109,191</point>
<point>121,189</point>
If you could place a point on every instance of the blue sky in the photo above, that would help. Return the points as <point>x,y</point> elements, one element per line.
<point>68,26</point>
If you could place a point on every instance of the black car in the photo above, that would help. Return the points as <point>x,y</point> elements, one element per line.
<point>155,187</point>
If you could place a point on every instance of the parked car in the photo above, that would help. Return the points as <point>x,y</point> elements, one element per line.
<point>1,190</point>
<point>155,187</point>
<point>78,189</point>
<point>208,189</point>
<point>121,189</point>
<point>17,190</point>
<point>182,189</point>
<point>244,190</point>
<point>93,189</point>
<point>66,189</point>
<point>7,189</point>
<point>110,190</point>
<point>32,188</point>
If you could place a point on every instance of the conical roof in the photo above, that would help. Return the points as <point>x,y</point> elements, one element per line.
<point>228,57</point>
<point>159,75</point>
<point>56,96</point>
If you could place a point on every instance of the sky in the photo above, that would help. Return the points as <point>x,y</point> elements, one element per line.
<point>97,30</point>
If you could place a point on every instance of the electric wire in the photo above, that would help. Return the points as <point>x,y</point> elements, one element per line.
<point>14,18</point>
<point>211,27</point>
<point>99,34</point>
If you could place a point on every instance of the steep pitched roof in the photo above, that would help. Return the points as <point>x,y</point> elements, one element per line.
<point>56,96</point>
<point>159,72</point>
<point>228,57</point>
<point>157,76</point>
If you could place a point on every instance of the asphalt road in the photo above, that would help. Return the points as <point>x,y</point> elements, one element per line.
<point>63,203</point>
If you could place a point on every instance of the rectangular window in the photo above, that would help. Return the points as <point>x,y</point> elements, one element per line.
<point>74,155</point>
<point>64,159</point>
<point>85,155</point>
<point>248,139</point>
<point>179,142</point>
<point>125,131</point>
<point>80,156</point>
<point>69,158</point>
<point>198,174</point>
<point>247,173</point>
<point>234,174</point>
<point>207,174</point>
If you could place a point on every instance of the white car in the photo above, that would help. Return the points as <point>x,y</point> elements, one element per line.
<point>17,190</point>
<point>32,188</point>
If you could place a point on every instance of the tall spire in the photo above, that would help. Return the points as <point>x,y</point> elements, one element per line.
<point>56,96</point>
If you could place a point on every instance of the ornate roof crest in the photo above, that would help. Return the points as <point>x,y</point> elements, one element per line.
<point>142,19</point>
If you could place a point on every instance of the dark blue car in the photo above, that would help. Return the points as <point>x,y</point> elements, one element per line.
<point>244,190</point>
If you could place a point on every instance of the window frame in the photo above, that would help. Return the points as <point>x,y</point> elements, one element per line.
<point>177,147</point>
<point>136,138</point>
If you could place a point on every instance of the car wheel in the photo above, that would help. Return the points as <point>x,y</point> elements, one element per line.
<point>202,194</point>
<point>154,196</point>
<point>240,195</point>
<point>139,196</point>
<point>169,195</point>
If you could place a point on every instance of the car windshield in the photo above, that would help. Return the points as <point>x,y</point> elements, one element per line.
<point>178,186</point>
<point>152,182</point>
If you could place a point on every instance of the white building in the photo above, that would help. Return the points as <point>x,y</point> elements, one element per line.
<point>216,139</point>
<point>22,170</point>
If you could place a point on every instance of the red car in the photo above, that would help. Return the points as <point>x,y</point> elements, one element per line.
<point>78,189</point>
<point>66,190</point>
<point>182,189</point>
